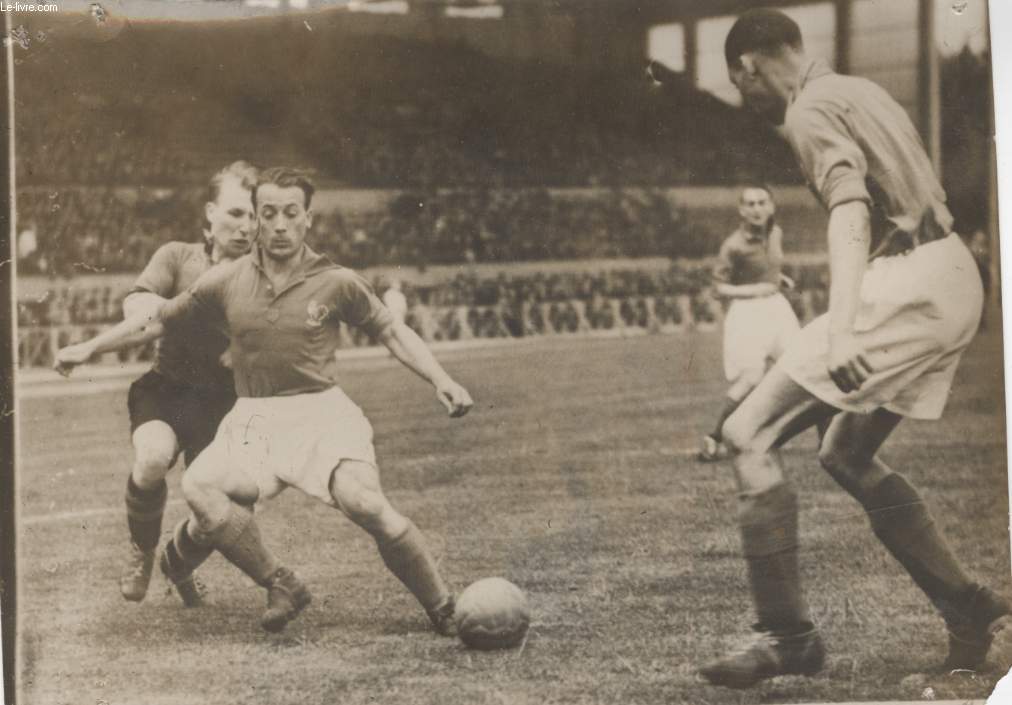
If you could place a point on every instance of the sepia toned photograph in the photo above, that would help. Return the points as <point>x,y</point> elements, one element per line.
<point>505,351</point>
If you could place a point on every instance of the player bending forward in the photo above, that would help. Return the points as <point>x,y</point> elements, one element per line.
<point>759,320</point>
<point>887,349</point>
<point>292,425</point>
<point>177,406</point>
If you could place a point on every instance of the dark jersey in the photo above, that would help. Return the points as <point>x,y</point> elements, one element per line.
<point>190,350</point>
<point>751,261</point>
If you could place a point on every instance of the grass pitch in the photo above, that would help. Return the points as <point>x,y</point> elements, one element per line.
<point>573,478</point>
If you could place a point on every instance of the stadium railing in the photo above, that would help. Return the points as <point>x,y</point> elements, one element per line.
<point>67,315</point>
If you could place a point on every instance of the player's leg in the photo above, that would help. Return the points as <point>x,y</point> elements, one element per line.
<point>787,642</point>
<point>355,488</point>
<point>901,520</point>
<point>187,549</point>
<point>750,335</point>
<point>150,406</point>
<point>155,450</point>
<point>221,497</point>
<point>744,383</point>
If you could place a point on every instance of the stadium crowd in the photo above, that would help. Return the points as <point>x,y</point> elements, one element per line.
<point>67,232</point>
<point>410,115</point>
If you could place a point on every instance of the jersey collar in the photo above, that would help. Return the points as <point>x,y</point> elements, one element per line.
<point>814,69</point>
<point>312,263</point>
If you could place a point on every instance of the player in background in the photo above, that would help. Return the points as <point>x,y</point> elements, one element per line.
<point>759,320</point>
<point>293,425</point>
<point>904,302</point>
<point>176,407</point>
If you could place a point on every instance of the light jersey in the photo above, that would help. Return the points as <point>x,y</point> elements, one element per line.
<point>283,342</point>
<point>855,143</point>
<point>189,351</point>
<point>750,261</point>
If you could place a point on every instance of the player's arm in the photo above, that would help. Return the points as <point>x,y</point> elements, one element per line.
<point>139,312</point>
<point>412,351</point>
<point>357,304</point>
<point>849,245</point>
<point>139,328</point>
<point>836,168</point>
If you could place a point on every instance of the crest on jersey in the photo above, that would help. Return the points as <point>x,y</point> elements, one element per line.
<point>317,314</point>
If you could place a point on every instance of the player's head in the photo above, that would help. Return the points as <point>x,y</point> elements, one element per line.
<point>756,206</point>
<point>282,200</point>
<point>228,212</point>
<point>764,51</point>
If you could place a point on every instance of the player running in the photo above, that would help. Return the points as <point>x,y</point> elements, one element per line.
<point>759,320</point>
<point>904,303</point>
<point>292,425</point>
<point>176,407</point>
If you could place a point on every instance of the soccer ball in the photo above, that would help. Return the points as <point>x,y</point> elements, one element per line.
<point>492,614</point>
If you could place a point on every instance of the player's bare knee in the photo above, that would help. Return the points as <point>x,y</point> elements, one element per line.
<point>363,506</point>
<point>854,474</point>
<point>152,462</point>
<point>356,491</point>
<point>832,459</point>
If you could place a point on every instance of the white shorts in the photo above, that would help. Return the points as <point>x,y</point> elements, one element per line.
<point>294,441</point>
<point>756,333</point>
<point>917,313</point>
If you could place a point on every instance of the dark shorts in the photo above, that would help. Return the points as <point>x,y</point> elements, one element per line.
<point>192,413</point>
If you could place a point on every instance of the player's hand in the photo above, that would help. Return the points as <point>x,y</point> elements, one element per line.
<point>70,357</point>
<point>787,283</point>
<point>226,359</point>
<point>848,366</point>
<point>454,397</point>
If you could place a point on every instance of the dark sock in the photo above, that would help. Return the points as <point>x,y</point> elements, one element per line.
<point>144,513</point>
<point>238,539</point>
<point>902,522</point>
<point>183,553</point>
<point>769,530</point>
<point>725,413</point>
<point>407,557</point>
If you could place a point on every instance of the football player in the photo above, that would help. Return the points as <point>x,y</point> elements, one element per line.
<point>293,426</point>
<point>759,320</point>
<point>176,407</point>
<point>904,303</point>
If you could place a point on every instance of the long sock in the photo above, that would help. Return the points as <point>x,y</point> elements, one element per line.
<point>725,413</point>
<point>144,513</point>
<point>769,530</point>
<point>902,522</point>
<point>238,539</point>
<point>408,558</point>
<point>183,552</point>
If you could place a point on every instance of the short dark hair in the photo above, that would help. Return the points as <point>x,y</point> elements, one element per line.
<point>761,30</point>
<point>285,177</point>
